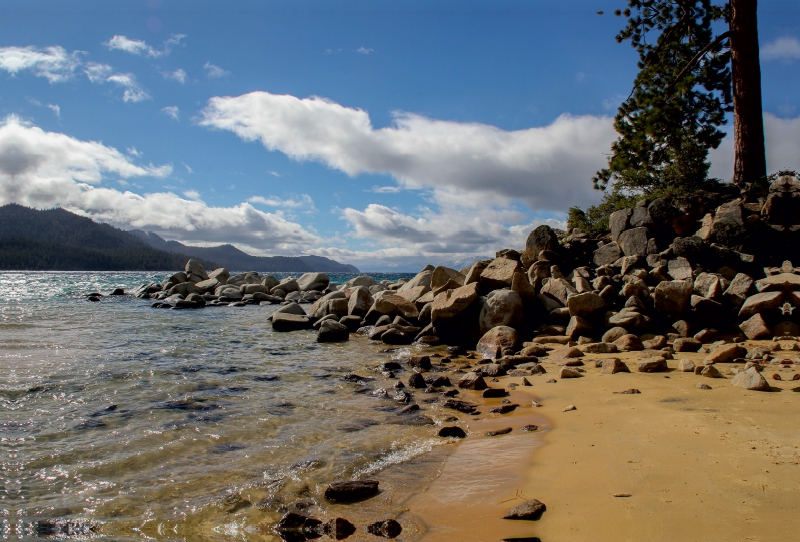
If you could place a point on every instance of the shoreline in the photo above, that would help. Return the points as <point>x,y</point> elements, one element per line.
<point>719,464</point>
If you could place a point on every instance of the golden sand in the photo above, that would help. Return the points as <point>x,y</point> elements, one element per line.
<point>719,464</point>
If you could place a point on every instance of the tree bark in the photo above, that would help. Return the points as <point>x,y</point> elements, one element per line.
<point>750,163</point>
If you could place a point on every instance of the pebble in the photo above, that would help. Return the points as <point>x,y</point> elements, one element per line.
<point>570,407</point>
<point>499,432</point>
<point>622,495</point>
<point>702,386</point>
<point>529,428</point>
<point>631,391</point>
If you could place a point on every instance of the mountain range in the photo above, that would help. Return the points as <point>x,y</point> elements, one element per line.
<point>58,240</point>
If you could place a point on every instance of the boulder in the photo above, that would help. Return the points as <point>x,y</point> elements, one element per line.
<point>738,289</point>
<point>655,364</point>
<point>569,372</point>
<point>336,306</point>
<point>765,301</point>
<point>269,282</point>
<point>327,297</point>
<point>726,353</point>
<point>543,238</point>
<point>472,381</point>
<point>499,273</point>
<point>618,222</point>
<point>288,285</point>
<point>289,322</point>
<point>607,254</point>
<point>332,331</point>
<point>208,285</point>
<point>781,207</point>
<point>755,328</point>
<point>502,308</point>
<point>673,297</point>
<point>393,304</point>
<point>252,289</point>
<point>750,379</point>
<point>558,289</point>
<point>613,334</point>
<point>629,343</point>
<point>727,226</point>
<point>221,274</point>
<point>686,344</point>
<point>492,343</point>
<point>195,272</point>
<point>423,278</point>
<point>313,281</point>
<point>710,371</point>
<point>359,302</point>
<point>362,280</point>
<point>686,366</point>
<point>708,286</point>
<point>633,242</point>
<point>598,348</point>
<point>529,510</point>
<point>680,269</point>
<point>578,327</point>
<point>442,275</point>
<point>351,491</point>
<point>585,304</point>
<point>474,273</point>
<point>450,304</point>
<point>614,365</point>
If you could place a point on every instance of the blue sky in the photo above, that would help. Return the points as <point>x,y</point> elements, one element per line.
<point>384,134</point>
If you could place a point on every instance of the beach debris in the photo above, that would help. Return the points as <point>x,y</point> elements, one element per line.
<point>529,428</point>
<point>530,510</point>
<point>630,391</point>
<point>388,528</point>
<point>452,431</point>
<point>503,409</point>
<point>622,495</point>
<point>701,386</point>
<point>498,432</point>
<point>569,408</point>
<point>351,491</point>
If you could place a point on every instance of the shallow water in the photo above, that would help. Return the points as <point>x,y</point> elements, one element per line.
<point>122,422</point>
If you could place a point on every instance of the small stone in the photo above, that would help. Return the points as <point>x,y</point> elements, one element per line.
<point>339,528</point>
<point>493,393</point>
<point>569,408</point>
<point>529,428</point>
<point>351,491</point>
<point>614,365</point>
<point>702,386</point>
<point>389,528</point>
<point>686,366</point>
<point>621,495</point>
<point>452,431</point>
<point>529,510</point>
<point>499,432</point>
<point>631,391</point>
<point>503,409</point>
<point>652,365</point>
<point>710,371</point>
<point>569,372</point>
<point>776,376</point>
<point>526,382</point>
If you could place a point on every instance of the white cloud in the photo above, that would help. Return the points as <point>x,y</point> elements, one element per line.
<point>782,49</point>
<point>133,152</point>
<point>171,111</point>
<point>52,63</point>
<point>96,72</point>
<point>295,202</point>
<point>139,47</point>
<point>178,75</point>
<point>783,141</point>
<point>192,194</point>
<point>45,169</point>
<point>365,50</point>
<point>133,92</point>
<point>188,169</point>
<point>385,189</point>
<point>213,71</point>
<point>55,109</point>
<point>470,164</point>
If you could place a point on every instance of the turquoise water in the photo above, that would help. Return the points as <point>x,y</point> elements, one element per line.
<point>121,422</point>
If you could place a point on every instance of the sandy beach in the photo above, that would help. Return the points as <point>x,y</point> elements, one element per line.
<point>718,464</point>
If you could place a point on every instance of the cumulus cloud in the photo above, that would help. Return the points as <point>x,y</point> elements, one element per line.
<point>171,111</point>
<point>45,169</point>
<point>783,141</point>
<point>293,202</point>
<point>213,71</point>
<point>52,63</point>
<point>470,164</point>
<point>141,48</point>
<point>782,49</point>
<point>133,92</point>
<point>385,189</point>
<point>178,75</point>
<point>365,50</point>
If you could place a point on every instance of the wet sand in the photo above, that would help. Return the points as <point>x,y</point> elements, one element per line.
<point>719,464</point>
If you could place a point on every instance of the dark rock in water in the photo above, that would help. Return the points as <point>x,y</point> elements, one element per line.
<point>418,420</point>
<point>439,382</point>
<point>410,408</point>
<point>226,447</point>
<point>294,527</point>
<point>453,393</point>
<point>472,381</point>
<point>529,428</point>
<point>332,331</point>
<point>118,291</point>
<point>503,409</point>
<point>353,377</point>
<point>456,351</point>
<point>529,510</point>
<point>91,424</point>
<point>461,406</point>
<point>420,362</point>
<point>452,431</point>
<point>416,380</point>
<point>499,432</point>
<point>390,366</point>
<point>490,393</point>
<point>93,298</point>
<point>351,491</point>
<point>339,528</point>
<point>387,529</point>
<point>402,396</point>
<point>108,410</point>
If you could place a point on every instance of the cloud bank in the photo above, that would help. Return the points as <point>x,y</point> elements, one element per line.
<point>468,164</point>
<point>782,49</point>
<point>46,169</point>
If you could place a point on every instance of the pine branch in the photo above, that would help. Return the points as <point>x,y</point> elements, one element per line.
<point>719,39</point>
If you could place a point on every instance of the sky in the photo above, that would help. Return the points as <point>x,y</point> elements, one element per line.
<point>384,134</point>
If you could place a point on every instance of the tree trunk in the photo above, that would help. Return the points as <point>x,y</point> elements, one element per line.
<point>750,163</point>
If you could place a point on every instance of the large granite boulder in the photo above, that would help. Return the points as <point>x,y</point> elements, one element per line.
<point>195,272</point>
<point>359,302</point>
<point>393,305</point>
<point>585,304</point>
<point>499,273</point>
<point>492,343</point>
<point>673,297</point>
<point>750,379</point>
<point>542,238</point>
<point>607,254</point>
<point>782,207</point>
<point>633,242</point>
<point>313,281</point>
<point>502,308</point>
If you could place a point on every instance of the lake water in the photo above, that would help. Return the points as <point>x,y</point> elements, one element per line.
<point>122,422</point>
